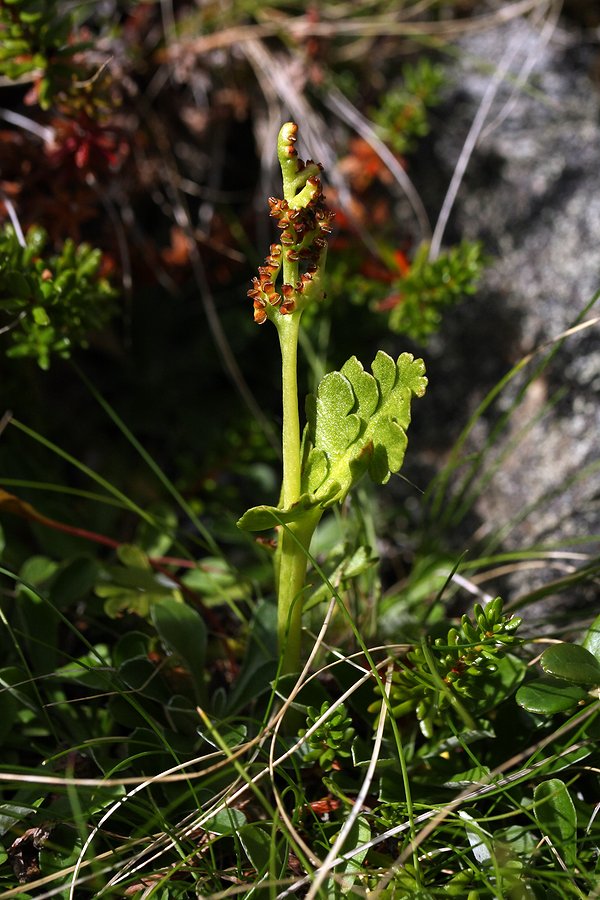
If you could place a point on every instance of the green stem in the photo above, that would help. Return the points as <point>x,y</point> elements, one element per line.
<point>288,328</point>
<point>294,541</point>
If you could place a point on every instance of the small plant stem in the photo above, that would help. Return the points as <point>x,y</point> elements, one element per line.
<point>299,258</point>
<point>288,328</point>
<point>294,540</point>
<point>294,543</point>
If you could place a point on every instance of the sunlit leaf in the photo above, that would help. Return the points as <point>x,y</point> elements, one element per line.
<point>356,424</point>
<point>479,839</point>
<point>571,662</point>
<point>548,696</point>
<point>359,834</point>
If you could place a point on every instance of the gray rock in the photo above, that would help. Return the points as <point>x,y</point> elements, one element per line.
<point>532,194</point>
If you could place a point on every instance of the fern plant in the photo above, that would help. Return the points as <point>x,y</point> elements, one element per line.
<point>356,421</point>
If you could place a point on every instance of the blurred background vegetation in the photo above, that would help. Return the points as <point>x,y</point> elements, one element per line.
<point>145,130</point>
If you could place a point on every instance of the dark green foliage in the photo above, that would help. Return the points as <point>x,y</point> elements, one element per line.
<point>34,38</point>
<point>556,817</point>
<point>430,286</point>
<point>415,294</point>
<point>50,304</point>
<point>401,118</point>
<point>571,679</point>
<point>333,738</point>
<point>455,672</point>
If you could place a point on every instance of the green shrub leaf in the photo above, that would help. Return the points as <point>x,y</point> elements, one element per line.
<point>556,817</point>
<point>256,842</point>
<point>359,834</point>
<point>548,696</point>
<point>73,581</point>
<point>571,662</point>
<point>227,821</point>
<point>60,299</point>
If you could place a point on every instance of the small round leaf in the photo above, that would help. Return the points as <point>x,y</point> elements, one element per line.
<point>571,662</point>
<point>548,696</point>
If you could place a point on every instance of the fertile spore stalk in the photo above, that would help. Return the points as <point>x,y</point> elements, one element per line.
<point>356,422</point>
<point>303,220</point>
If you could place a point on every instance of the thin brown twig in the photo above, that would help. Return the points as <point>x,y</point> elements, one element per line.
<point>301,28</point>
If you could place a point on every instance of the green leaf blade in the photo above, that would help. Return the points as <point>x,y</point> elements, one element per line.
<point>262,518</point>
<point>557,818</point>
<point>592,639</point>
<point>571,662</point>
<point>181,629</point>
<point>389,446</point>
<point>357,421</point>
<point>548,696</point>
<point>335,426</point>
<point>365,387</point>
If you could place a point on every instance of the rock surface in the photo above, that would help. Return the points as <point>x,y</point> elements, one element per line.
<point>532,194</point>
